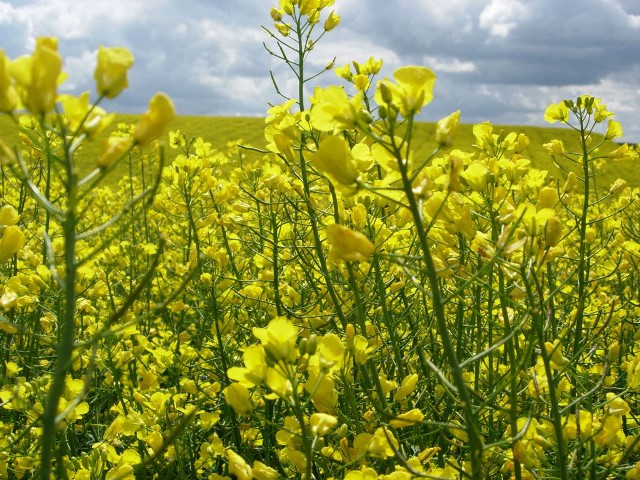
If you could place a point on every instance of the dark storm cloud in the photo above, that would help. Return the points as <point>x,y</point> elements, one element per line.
<point>497,60</point>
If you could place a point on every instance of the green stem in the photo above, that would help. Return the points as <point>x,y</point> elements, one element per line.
<point>65,345</point>
<point>475,440</point>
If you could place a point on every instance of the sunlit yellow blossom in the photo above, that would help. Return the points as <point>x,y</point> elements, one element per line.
<point>522,143</point>
<point>333,109</point>
<point>344,72</point>
<point>446,128</point>
<point>255,369</point>
<point>620,153</point>
<point>279,339</point>
<point>80,113</point>
<point>557,112</point>
<point>12,240</point>
<point>553,231</point>
<point>371,66</point>
<point>361,81</point>
<point>407,387</point>
<point>321,423</point>
<point>260,471</point>
<point>336,160</point>
<point>347,244</point>
<point>8,216</point>
<point>153,122</point>
<point>407,419</point>
<point>111,70</point>
<point>8,94</point>
<point>276,14</point>
<point>547,198</point>
<point>283,28</point>
<point>37,76</point>
<point>365,473</point>
<point>614,130</point>
<point>238,466</point>
<point>113,149</point>
<point>412,91</point>
<point>571,182</point>
<point>484,135</point>
<point>618,186</point>
<point>237,395</point>
<point>332,21</point>
<point>601,112</point>
<point>287,6</point>
<point>476,175</point>
<point>554,147</point>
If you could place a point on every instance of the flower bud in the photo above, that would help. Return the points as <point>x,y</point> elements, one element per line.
<point>618,186</point>
<point>348,245</point>
<point>111,71</point>
<point>12,240</point>
<point>614,130</point>
<point>555,147</point>
<point>553,231</point>
<point>153,122</point>
<point>332,21</point>
<point>276,14</point>
<point>113,148</point>
<point>446,129</point>
<point>570,184</point>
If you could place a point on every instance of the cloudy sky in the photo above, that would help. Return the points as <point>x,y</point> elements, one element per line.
<point>496,60</point>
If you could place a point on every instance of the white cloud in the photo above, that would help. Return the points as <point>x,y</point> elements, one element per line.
<point>502,16</point>
<point>449,65</point>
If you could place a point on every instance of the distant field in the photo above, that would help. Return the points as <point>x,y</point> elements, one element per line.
<point>221,130</point>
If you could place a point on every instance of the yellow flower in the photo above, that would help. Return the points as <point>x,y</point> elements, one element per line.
<point>348,245</point>
<point>276,14</point>
<point>111,70</point>
<point>618,186</point>
<point>553,231</point>
<point>8,216</point>
<point>237,395</point>
<point>37,76</point>
<point>238,467</point>
<point>322,423</point>
<point>278,339</point>
<point>113,149</point>
<point>554,147</point>
<point>336,160</point>
<point>447,128</point>
<point>344,72</point>
<point>365,473</point>
<point>260,471</point>
<point>614,130</point>
<point>8,94</point>
<point>333,109</point>
<point>484,135</point>
<point>283,28</point>
<point>557,112</point>
<point>407,419</point>
<point>407,387</point>
<point>476,176</point>
<point>79,112</point>
<point>413,89</point>
<point>153,122</point>
<point>12,240</point>
<point>332,21</point>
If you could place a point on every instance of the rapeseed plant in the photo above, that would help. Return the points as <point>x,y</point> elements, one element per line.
<point>334,306</point>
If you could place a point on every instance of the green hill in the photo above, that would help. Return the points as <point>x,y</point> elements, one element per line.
<point>221,130</point>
